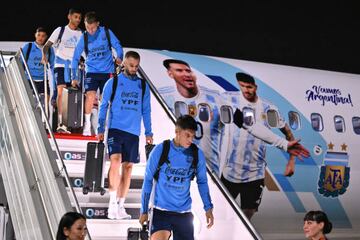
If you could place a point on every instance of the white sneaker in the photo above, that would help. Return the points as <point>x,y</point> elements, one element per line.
<point>113,211</point>
<point>122,214</point>
<point>62,129</point>
<point>87,129</point>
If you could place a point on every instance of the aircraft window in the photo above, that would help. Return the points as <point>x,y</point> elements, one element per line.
<point>200,131</point>
<point>294,120</point>
<point>339,124</point>
<point>272,118</point>
<point>317,122</point>
<point>181,108</point>
<point>249,116</point>
<point>226,114</point>
<point>204,112</point>
<point>356,124</point>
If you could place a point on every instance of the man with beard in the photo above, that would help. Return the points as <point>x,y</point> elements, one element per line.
<point>129,106</point>
<point>65,39</point>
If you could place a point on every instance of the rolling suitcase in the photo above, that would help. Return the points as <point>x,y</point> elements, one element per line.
<point>138,233</point>
<point>148,149</point>
<point>54,122</point>
<point>94,168</point>
<point>72,111</point>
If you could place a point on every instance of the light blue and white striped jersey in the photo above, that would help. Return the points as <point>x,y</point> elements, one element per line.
<point>205,104</point>
<point>246,153</point>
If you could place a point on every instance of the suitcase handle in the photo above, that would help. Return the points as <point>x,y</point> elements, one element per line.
<point>73,88</point>
<point>144,227</point>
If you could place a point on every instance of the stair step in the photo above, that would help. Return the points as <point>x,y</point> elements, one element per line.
<point>75,168</point>
<point>77,182</point>
<point>99,210</point>
<point>134,196</point>
<point>106,229</point>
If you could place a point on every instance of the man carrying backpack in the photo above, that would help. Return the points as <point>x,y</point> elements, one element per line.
<point>129,98</point>
<point>33,56</point>
<point>64,40</point>
<point>173,164</point>
<point>97,43</point>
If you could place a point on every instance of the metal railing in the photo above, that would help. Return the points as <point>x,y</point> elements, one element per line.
<point>212,174</point>
<point>23,135</point>
<point>44,112</point>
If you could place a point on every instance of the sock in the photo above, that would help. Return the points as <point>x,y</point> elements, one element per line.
<point>59,119</point>
<point>118,200</point>
<point>112,197</point>
<point>121,202</point>
<point>87,118</point>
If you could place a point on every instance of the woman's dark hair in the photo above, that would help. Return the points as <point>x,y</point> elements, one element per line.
<point>67,220</point>
<point>319,216</point>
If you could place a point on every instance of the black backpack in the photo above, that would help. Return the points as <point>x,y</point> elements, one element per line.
<point>165,159</point>
<point>115,83</point>
<point>86,41</point>
<point>29,50</point>
<point>61,33</point>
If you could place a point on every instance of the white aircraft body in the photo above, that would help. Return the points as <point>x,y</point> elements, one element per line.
<point>322,109</point>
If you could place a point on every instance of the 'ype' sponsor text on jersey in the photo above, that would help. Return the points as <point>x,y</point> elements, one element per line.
<point>172,191</point>
<point>127,109</point>
<point>35,66</point>
<point>99,58</point>
<point>246,155</point>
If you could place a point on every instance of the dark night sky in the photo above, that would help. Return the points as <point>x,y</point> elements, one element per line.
<point>324,35</point>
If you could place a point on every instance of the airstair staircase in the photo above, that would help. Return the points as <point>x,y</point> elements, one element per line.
<point>43,172</point>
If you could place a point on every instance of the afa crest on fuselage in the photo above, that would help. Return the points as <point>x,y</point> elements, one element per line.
<point>334,174</point>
